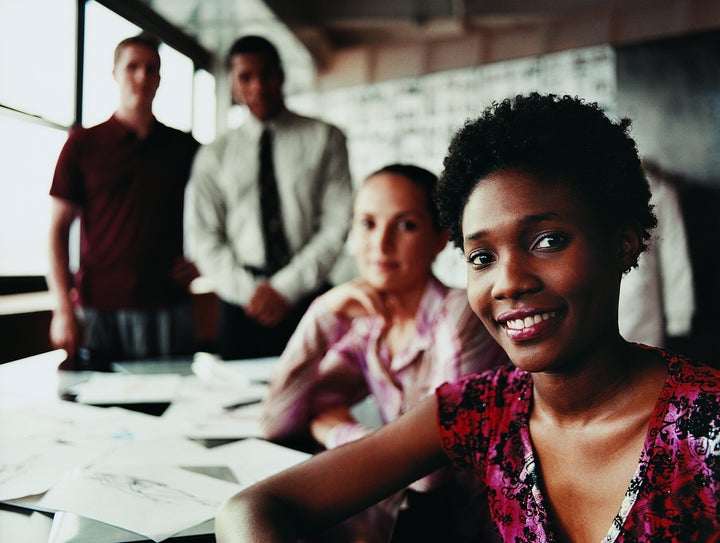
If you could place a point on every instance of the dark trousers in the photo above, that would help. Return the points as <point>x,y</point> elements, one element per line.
<point>133,334</point>
<point>243,337</point>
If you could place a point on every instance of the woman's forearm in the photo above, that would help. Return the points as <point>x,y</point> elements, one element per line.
<point>252,517</point>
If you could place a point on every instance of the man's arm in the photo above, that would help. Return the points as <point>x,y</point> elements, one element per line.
<point>207,242</point>
<point>64,328</point>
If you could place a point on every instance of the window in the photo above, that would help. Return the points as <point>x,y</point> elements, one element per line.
<point>204,103</point>
<point>104,29</point>
<point>37,61</point>
<point>37,107</point>
<point>37,70</point>
<point>27,162</point>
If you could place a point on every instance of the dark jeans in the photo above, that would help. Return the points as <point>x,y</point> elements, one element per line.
<point>134,335</point>
<point>243,337</point>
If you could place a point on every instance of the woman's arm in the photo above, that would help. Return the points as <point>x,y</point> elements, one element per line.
<point>335,484</point>
<point>314,374</point>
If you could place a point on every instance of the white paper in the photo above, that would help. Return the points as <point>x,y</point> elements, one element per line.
<point>219,393</point>
<point>119,388</point>
<point>252,460</point>
<point>56,419</point>
<point>258,370</point>
<point>18,527</point>
<point>72,528</point>
<point>198,421</point>
<point>164,451</point>
<point>30,381</point>
<point>153,501</point>
<point>32,466</point>
<point>209,367</point>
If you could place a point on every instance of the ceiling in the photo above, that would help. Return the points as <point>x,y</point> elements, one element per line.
<point>350,41</point>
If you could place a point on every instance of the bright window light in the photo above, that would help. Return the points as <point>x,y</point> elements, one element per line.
<point>37,60</point>
<point>204,125</point>
<point>26,169</point>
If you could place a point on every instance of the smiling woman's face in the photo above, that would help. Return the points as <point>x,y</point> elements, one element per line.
<point>543,274</point>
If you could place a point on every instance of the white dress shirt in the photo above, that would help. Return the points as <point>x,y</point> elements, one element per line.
<point>657,299</point>
<point>223,223</point>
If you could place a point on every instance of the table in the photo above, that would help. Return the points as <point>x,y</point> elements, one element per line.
<point>36,381</point>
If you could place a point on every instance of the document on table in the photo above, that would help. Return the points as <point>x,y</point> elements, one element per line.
<point>119,388</point>
<point>72,528</point>
<point>120,495</point>
<point>123,496</point>
<point>32,466</point>
<point>204,421</point>
<point>41,445</point>
<point>252,460</point>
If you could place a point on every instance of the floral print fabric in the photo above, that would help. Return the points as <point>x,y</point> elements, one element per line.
<point>483,421</point>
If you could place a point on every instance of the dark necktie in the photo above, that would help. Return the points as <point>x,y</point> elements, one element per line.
<point>276,245</point>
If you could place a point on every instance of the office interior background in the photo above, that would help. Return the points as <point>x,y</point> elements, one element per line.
<point>398,77</point>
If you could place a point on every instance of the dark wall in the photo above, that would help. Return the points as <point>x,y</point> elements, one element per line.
<point>671,91</point>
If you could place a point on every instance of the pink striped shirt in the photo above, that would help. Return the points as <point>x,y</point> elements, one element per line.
<point>331,361</point>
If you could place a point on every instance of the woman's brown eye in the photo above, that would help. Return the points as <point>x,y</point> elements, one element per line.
<point>553,240</point>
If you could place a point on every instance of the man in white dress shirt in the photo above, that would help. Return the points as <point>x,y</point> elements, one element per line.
<point>262,302</point>
<point>657,299</point>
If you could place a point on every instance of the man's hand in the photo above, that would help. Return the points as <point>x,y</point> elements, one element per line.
<point>65,331</point>
<point>267,305</point>
<point>184,272</point>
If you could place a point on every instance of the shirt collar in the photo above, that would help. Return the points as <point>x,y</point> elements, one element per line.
<point>123,131</point>
<point>257,126</point>
<point>428,313</point>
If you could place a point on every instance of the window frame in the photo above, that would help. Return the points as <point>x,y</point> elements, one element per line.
<point>138,13</point>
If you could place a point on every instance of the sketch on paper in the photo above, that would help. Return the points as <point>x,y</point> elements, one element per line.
<point>155,491</point>
<point>13,470</point>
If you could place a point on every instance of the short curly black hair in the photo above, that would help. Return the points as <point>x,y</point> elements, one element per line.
<point>560,139</point>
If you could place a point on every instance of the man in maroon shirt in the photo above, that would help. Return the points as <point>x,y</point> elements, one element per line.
<point>125,179</point>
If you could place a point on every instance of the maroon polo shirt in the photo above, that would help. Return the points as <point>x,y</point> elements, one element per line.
<point>131,195</point>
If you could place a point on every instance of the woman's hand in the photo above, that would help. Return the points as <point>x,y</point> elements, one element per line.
<point>322,424</point>
<point>357,298</point>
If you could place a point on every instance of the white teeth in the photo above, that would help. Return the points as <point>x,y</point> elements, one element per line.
<point>527,322</point>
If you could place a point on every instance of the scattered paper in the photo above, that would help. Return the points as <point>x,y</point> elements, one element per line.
<point>253,460</point>
<point>17,527</point>
<point>119,388</point>
<point>72,528</point>
<point>209,367</point>
<point>199,421</point>
<point>32,466</point>
<point>154,501</point>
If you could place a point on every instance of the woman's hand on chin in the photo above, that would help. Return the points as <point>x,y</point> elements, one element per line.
<point>356,298</point>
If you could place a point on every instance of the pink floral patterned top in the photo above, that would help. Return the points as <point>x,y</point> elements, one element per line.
<point>673,496</point>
